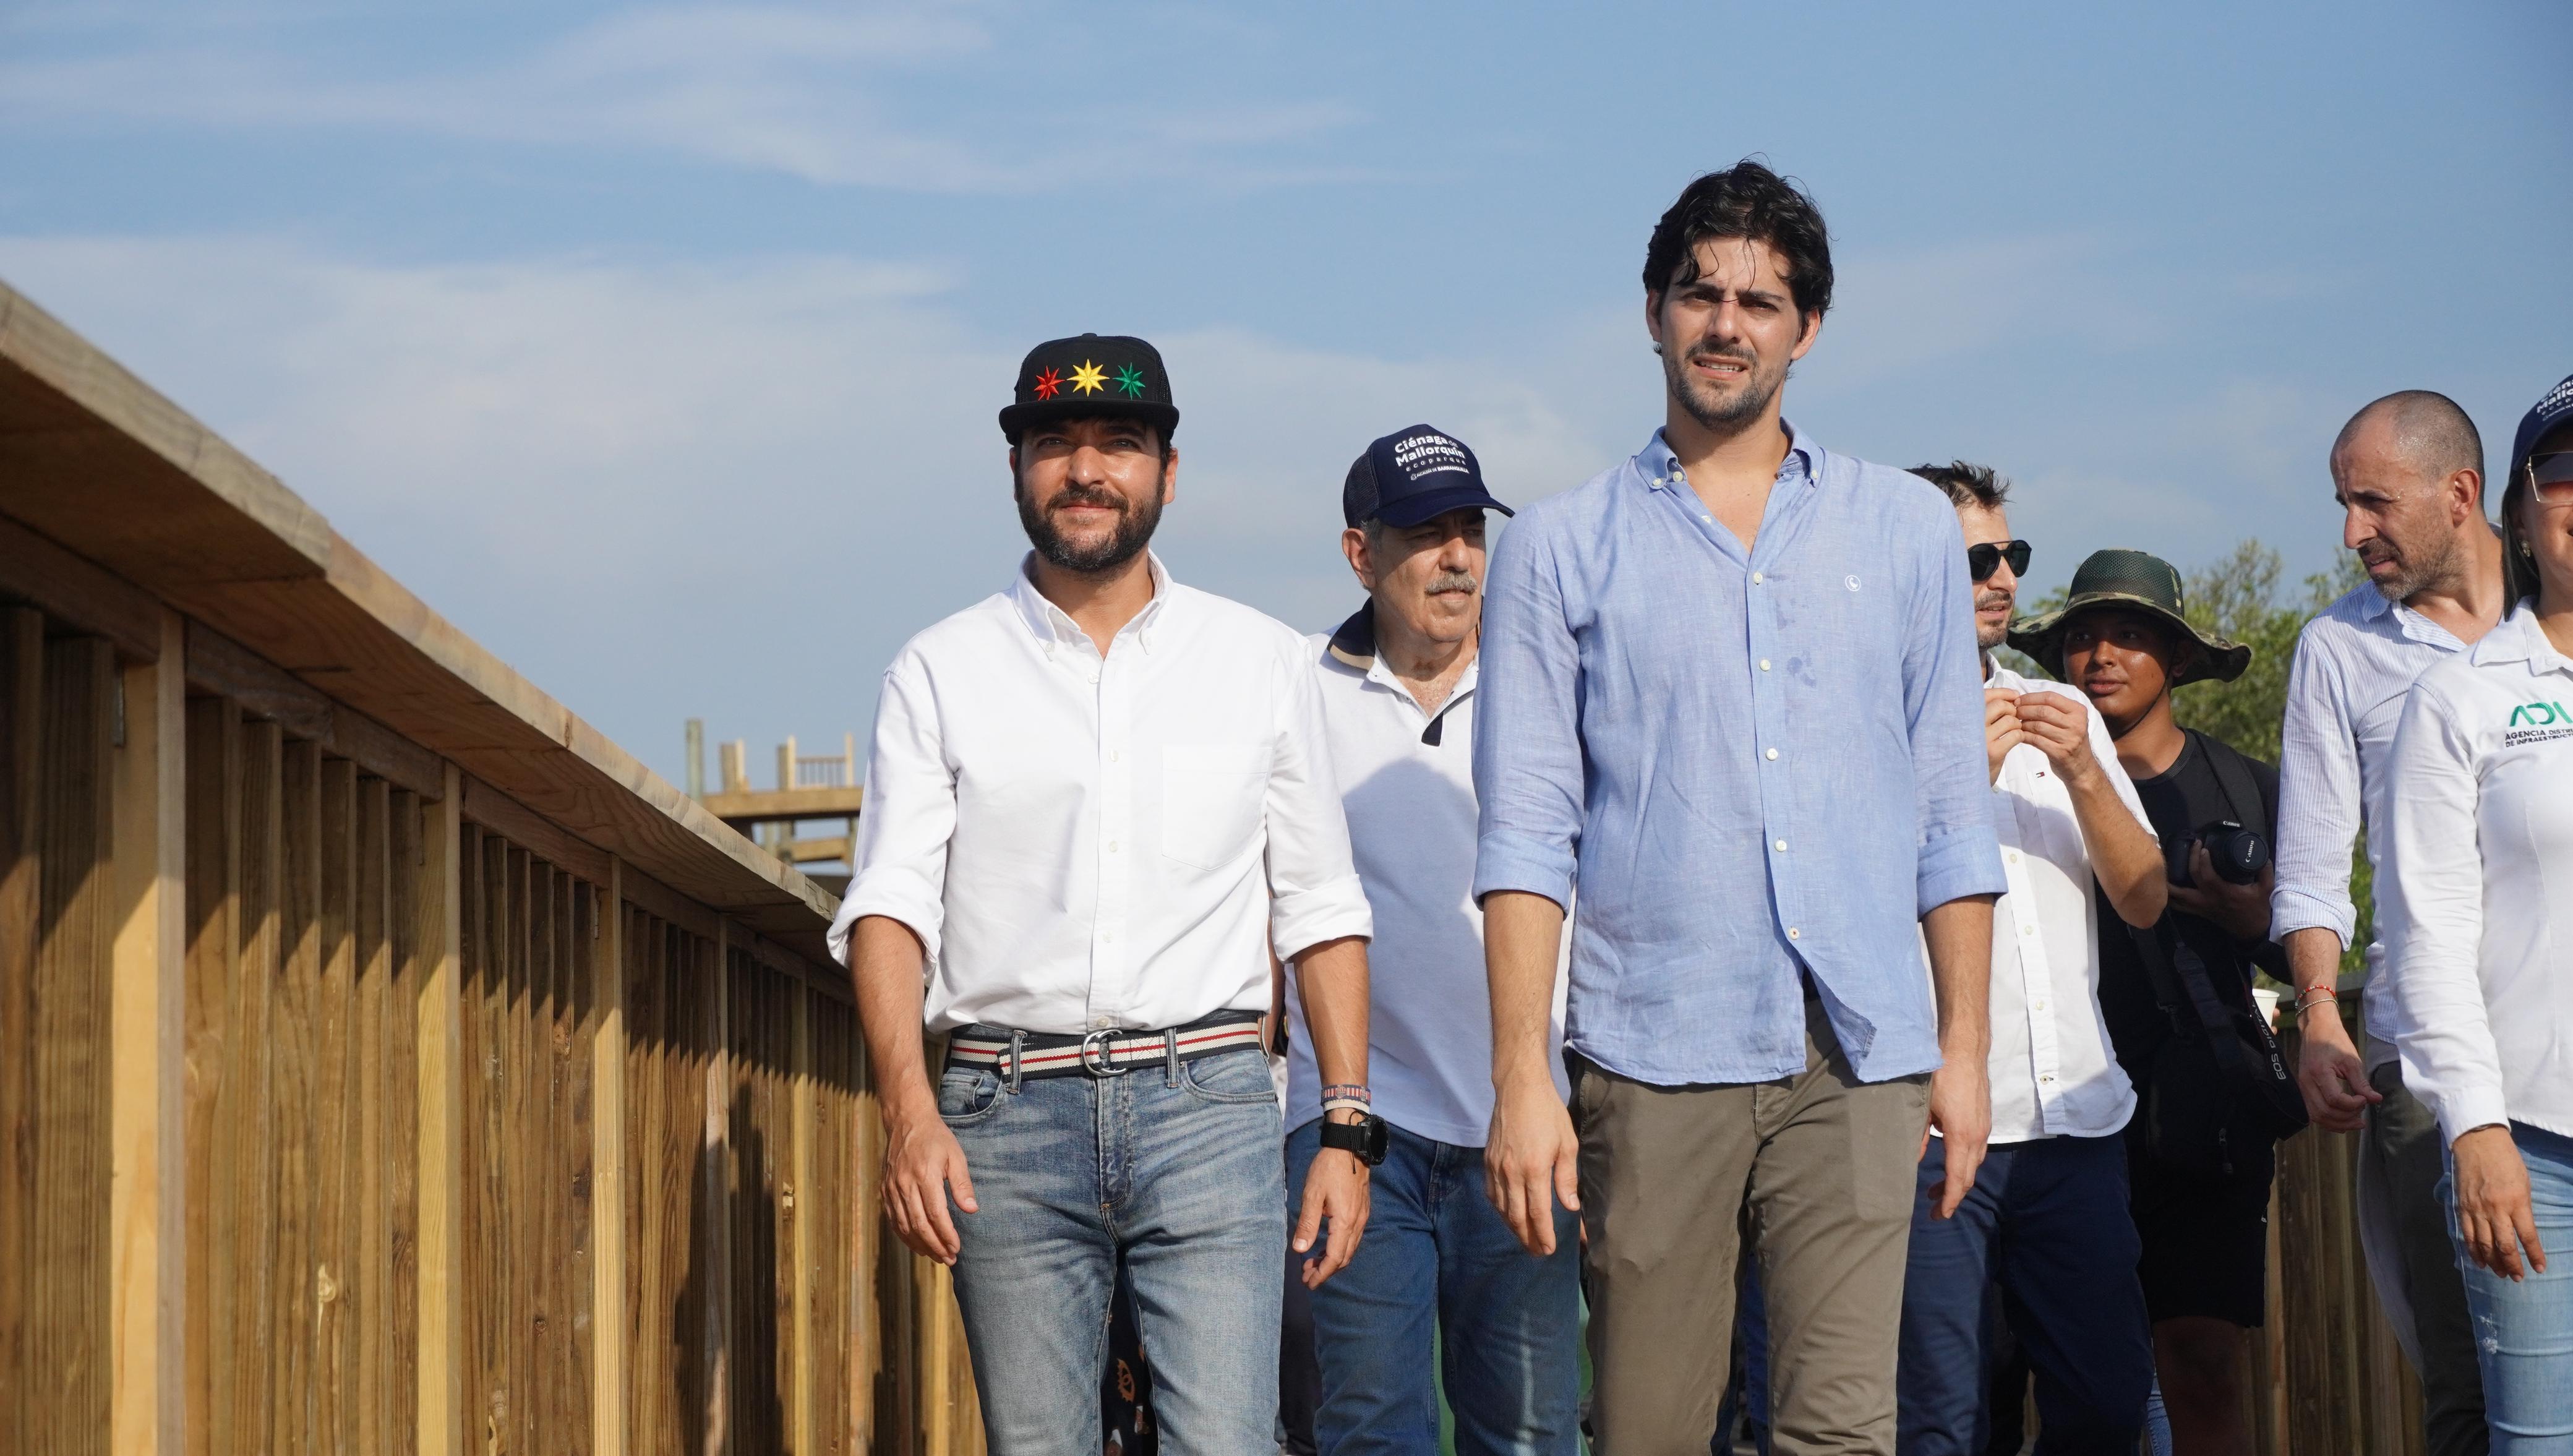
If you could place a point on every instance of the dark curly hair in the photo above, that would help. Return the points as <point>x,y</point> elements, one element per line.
<point>1745,200</point>
<point>1968,483</point>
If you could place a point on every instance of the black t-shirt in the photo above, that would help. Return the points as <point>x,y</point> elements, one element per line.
<point>2179,801</point>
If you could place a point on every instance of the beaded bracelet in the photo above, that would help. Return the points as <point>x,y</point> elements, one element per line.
<point>2302,997</point>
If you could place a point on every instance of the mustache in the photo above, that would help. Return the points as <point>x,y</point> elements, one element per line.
<point>1732,356</point>
<point>1987,601</point>
<point>1454,581</point>
<point>1089,495</point>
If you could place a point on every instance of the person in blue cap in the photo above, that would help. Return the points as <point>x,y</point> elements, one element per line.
<point>1396,684</point>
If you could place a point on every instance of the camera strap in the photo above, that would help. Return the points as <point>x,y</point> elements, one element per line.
<point>2233,780</point>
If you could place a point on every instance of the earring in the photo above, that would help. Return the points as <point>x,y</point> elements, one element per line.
<point>1657,346</point>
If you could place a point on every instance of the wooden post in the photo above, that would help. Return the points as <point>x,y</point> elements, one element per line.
<point>443,1424</point>
<point>697,758</point>
<point>147,1017</point>
<point>804,1201</point>
<point>610,1337</point>
<point>786,763</point>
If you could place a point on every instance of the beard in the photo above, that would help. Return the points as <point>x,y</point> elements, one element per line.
<point>2416,570</point>
<point>1136,522</point>
<point>1720,414</point>
<point>1994,635</point>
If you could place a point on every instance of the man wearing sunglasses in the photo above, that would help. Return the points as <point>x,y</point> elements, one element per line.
<point>2046,1220</point>
<point>2408,474</point>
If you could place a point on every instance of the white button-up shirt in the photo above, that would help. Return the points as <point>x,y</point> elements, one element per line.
<point>2477,900</point>
<point>2344,696</point>
<point>1084,841</point>
<point>1411,814</point>
<point>2054,1073</point>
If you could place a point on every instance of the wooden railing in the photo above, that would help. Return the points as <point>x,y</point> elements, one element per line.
<point>388,1062</point>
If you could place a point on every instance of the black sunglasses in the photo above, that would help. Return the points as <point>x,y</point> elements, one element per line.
<point>1983,556</point>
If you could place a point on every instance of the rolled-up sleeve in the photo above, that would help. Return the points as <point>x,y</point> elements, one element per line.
<point>900,862</point>
<point>1943,686</point>
<point>1527,724</point>
<point>1313,890</point>
<point>2432,914</point>
<point>2318,800</point>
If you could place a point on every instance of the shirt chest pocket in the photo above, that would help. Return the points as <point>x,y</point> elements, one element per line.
<point>1211,798</point>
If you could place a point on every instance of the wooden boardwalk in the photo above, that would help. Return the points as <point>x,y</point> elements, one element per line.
<point>388,1062</point>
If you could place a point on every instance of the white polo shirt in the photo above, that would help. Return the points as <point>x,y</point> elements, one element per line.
<point>2477,906</point>
<point>1409,796</point>
<point>2054,1073</point>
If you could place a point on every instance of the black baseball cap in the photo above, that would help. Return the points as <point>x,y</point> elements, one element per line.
<point>1411,475</point>
<point>1111,373</point>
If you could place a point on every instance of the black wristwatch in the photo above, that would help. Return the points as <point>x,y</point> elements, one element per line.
<point>1368,1138</point>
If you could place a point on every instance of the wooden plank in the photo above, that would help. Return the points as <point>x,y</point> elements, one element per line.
<point>533,1263</point>
<point>766,806</point>
<point>334,1086</point>
<point>77,592</point>
<point>442,1357</point>
<point>221,665</point>
<point>577,1024</point>
<point>612,1367</point>
<point>398,1083</point>
<point>843,1373</point>
<point>654,1395</point>
<point>716,1181</point>
<point>363,1293</point>
<point>212,894</point>
<point>22,778</point>
<point>148,1024</point>
<point>514,822</point>
<point>804,1201</point>
<point>292,1066</point>
<point>68,1350</point>
<point>667,905</point>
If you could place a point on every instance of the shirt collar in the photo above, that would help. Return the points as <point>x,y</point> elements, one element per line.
<point>2373,604</point>
<point>1352,645</point>
<point>1052,623</point>
<point>2518,638</point>
<point>1661,470</point>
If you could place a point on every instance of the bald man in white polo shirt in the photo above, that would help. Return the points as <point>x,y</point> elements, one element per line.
<point>1396,687</point>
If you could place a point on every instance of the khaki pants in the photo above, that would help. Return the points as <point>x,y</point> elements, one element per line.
<point>1817,1171</point>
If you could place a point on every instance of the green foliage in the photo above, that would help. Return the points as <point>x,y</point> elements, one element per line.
<point>2239,597</point>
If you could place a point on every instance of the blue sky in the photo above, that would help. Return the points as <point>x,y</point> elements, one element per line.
<point>658,346</point>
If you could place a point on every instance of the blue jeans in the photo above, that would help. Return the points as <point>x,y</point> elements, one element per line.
<point>1174,1174</point>
<point>1437,1252</point>
<point>2047,1222</point>
<point>2524,1329</point>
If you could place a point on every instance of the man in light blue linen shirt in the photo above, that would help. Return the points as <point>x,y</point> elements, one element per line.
<point>1731,686</point>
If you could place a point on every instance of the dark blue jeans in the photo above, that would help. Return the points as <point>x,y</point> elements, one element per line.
<point>2048,1224</point>
<point>1437,1253</point>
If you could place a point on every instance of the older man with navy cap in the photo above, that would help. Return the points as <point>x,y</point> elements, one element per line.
<point>1096,801</point>
<point>1396,685</point>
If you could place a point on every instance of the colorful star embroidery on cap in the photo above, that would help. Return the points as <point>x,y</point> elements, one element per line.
<point>1087,377</point>
<point>1130,380</point>
<point>1049,384</point>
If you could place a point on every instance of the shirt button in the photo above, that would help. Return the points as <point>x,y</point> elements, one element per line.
<point>1781,846</point>
<point>2027,929</point>
<point>1108,937</point>
<point>2037,1005</point>
<point>1757,578</point>
<point>1116,756</point>
<point>1773,753</point>
<point>1764,664</point>
<point>2010,857</point>
<point>1112,845</point>
<point>1794,934</point>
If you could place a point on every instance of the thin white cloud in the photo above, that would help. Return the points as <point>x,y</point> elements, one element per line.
<point>823,95</point>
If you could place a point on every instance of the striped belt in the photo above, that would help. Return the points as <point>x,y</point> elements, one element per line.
<point>1107,1052</point>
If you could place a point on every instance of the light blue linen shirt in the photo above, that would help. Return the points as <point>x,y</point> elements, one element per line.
<point>1754,763</point>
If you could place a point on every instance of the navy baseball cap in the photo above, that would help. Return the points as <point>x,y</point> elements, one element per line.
<point>1411,475</point>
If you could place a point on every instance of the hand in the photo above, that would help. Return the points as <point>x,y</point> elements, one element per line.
<point>2241,911</point>
<point>2493,1215</point>
<point>922,1162</point>
<point>2002,731</point>
<point>2329,1070</point>
<point>2060,727</point>
<point>1336,1189</point>
<point>1961,1108</point>
<point>1532,1160</point>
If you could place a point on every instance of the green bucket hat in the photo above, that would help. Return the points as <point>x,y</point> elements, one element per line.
<point>2137,582</point>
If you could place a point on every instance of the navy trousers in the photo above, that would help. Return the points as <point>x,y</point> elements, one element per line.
<point>2048,1224</point>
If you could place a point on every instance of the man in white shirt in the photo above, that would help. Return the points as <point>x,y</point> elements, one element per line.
<point>1396,684</point>
<point>2046,1220</point>
<point>2407,472</point>
<point>1095,800</point>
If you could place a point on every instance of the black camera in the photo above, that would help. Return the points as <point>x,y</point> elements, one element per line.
<point>2239,854</point>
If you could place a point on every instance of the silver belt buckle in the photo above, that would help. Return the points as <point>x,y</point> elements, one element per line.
<point>1102,1067</point>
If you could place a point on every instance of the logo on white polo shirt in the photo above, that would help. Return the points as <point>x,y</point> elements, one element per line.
<point>2537,722</point>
